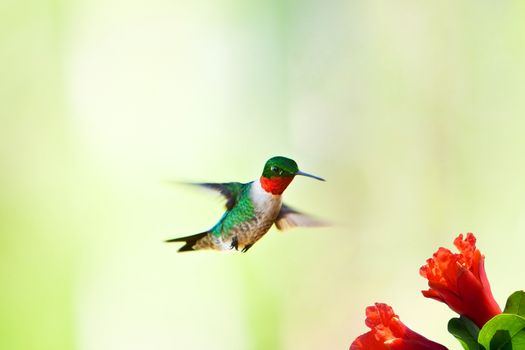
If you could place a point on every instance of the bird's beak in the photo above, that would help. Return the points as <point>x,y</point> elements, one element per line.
<point>309,175</point>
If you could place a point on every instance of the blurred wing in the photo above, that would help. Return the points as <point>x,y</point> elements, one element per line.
<point>289,218</point>
<point>230,190</point>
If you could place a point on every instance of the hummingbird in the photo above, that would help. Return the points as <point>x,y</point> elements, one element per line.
<point>251,209</point>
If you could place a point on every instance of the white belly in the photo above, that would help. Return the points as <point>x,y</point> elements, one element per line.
<point>265,204</point>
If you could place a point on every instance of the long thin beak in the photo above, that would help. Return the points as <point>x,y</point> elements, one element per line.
<point>309,175</point>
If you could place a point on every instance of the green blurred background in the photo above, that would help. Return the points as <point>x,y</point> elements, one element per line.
<point>413,111</point>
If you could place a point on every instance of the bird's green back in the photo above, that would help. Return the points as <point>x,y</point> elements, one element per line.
<point>242,211</point>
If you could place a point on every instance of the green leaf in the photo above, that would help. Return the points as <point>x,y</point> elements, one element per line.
<point>503,332</point>
<point>465,331</point>
<point>516,304</point>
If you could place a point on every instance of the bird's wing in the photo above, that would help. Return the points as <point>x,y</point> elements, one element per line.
<point>289,218</point>
<point>230,190</point>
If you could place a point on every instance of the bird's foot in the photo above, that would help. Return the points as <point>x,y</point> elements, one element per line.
<point>246,247</point>
<point>235,243</point>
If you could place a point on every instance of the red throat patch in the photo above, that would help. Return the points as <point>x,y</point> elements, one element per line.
<point>276,184</point>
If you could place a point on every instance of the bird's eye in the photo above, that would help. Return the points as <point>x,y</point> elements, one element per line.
<point>277,170</point>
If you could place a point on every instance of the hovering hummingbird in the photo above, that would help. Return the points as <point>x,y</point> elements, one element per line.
<point>251,209</point>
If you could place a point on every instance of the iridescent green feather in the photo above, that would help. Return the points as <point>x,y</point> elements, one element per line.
<point>241,212</point>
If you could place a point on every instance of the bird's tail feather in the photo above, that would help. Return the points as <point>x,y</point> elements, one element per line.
<point>190,241</point>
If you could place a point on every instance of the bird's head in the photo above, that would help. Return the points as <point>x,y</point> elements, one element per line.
<point>278,172</point>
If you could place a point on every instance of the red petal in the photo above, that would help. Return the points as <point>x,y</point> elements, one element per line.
<point>448,297</point>
<point>460,280</point>
<point>379,314</point>
<point>441,268</point>
<point>388,332</point>
<point>480,305</point>
<point>483,274</point>
<point>469,287</point>
<point>367,341</point>
<point>476,258</point>
<point>433,295</point>
<point>401,344</point>
<point>469,254</point>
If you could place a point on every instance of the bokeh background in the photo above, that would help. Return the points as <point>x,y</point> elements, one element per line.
<point>413,111</point>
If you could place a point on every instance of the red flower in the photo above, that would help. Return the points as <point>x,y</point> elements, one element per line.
<point>460,281</point>
<point>387,332</point>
